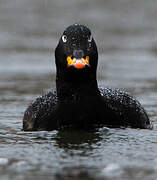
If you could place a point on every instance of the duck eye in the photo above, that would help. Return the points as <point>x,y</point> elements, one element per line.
<point>90,38</point>
<point>64,38</point>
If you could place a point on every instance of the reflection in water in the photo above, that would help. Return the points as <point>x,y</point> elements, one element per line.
<point>79,140</point>
<point>80,143</point>
<point>125,32</point>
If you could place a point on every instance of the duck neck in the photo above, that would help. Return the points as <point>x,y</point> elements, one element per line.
<point>76,87</point>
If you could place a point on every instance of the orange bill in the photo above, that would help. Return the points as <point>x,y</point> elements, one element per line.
<point>78,63</point>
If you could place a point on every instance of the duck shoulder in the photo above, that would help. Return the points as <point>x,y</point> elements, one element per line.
<point>39,110</point>
<point>126,107</point>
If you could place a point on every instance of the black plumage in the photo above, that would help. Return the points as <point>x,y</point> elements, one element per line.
<point>77,101</point>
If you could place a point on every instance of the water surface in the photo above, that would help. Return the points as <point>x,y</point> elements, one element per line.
<point>125,32</point>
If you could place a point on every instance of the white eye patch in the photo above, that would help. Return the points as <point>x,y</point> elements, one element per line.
<point>64,38</point>
<point>90,38</point>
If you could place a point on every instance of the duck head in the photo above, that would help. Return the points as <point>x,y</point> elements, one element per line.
<point>76,53</point>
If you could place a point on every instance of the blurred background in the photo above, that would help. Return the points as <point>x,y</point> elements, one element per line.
<point>125,32</point>
<point>126,35</point>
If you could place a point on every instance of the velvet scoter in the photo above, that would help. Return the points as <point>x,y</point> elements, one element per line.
<point>77,101</point>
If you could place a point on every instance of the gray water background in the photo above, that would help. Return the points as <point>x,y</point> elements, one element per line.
<point>126,35</point>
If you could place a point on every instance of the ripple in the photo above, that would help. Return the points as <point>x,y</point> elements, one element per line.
<point>3,161</point>
<point>126,34</point>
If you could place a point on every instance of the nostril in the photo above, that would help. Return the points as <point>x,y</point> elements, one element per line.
<point>78,53</point>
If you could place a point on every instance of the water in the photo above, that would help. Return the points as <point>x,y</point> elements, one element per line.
<point>125,32</point>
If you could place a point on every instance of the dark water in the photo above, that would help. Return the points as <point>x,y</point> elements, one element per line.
<point>126,34</point>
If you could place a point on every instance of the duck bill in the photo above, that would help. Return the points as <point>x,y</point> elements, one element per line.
<point>78,63</point>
